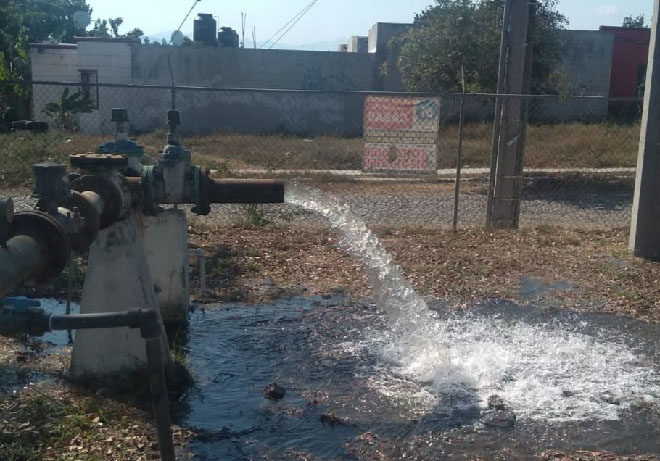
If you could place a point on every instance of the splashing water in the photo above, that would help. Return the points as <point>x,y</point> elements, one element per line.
<point>407,311</point>
<point>549,371</point>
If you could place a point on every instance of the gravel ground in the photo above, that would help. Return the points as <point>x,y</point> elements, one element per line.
<point>398,210</point>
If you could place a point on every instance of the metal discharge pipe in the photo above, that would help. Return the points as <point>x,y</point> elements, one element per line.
<point>246,191</point>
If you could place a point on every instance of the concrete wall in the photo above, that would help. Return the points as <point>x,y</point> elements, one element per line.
<point>249,68</point>
<point>358,44</point>
<point>386,72</point>
<point>302,114</point>
<point>587,62</point>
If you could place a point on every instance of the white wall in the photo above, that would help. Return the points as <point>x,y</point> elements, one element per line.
<point>112,60</point>
<point>51,62</point>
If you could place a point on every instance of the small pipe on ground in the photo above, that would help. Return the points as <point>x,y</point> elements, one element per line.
<point>20,320</point>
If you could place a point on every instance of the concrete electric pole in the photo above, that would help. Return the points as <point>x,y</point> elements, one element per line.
<point>509,143</point>
<point>645,228</point>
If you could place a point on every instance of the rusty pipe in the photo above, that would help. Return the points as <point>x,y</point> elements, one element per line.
<point>246,191</point>
<point>22,258</point>
<point>40,242</point>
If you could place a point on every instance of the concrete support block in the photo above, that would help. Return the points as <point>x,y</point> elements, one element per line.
<point>166,247</point>
<point>117,279</point>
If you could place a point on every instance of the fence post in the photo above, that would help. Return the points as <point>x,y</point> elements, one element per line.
<point>459,156</point>
<point>173,90</point>
<point>645,226</point>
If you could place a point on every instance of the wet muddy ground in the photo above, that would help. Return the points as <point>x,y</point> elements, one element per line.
<point>343,402</point>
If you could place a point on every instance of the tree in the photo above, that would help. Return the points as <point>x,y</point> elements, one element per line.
<point>63,112</point>
<point>52,18</point>
<point>637,22</point>
<point>13,63</point>
<point>465,34</point>
<point>110,28</point>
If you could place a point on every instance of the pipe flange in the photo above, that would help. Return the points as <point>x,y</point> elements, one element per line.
<point>202,191</point>
<point>81,241</point>
<point>99,163</point>
<point>111,194</point>
<point>148,202</point>
<point>46,229</point>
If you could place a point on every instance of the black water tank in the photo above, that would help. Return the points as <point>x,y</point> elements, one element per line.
<point>228,37</point>
<point>205,29</point>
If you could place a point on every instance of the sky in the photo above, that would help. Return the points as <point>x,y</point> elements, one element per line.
<point>328,22</point>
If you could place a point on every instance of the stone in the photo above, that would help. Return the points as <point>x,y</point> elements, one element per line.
<point>274,392</point>
<point>501,419</point>
<point>495,402</point>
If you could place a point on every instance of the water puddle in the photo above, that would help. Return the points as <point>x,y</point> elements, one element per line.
<point>50,347</point>
<point>573,382</point>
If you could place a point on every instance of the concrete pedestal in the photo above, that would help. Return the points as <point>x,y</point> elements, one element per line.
<point>166,246</point>
<point>118,279</point>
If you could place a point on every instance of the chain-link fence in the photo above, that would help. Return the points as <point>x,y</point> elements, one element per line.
<point>391,157</point>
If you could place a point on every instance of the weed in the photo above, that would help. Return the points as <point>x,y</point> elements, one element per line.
<point>254,216</point>
<point>221,267</point>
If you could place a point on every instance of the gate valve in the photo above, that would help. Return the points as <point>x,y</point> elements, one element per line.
<point>21,316</point>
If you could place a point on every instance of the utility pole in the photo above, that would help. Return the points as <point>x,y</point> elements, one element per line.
<point>243,20</point>
<point>645,227</point>
<point>504,200</point>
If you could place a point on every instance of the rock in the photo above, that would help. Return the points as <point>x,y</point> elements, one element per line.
<point>331,420</point>
<point>105,392</point>
<point>274,392</point>
<point>610,398</point>
<point>495,402</point>
<point>500,418</point>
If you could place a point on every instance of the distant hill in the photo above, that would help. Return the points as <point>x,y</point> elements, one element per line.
<point>328,45</point>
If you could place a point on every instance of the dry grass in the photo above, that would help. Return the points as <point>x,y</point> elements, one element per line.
<point>57,420</point>
<point>561,145</point>
<point>566,145</point>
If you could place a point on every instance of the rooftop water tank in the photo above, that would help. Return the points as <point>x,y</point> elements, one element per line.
<point>228,37</point>
<point>204,30</point>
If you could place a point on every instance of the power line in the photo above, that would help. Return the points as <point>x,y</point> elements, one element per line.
<point>185,19</point>
<point>292,22</point>
<point>309,7</point>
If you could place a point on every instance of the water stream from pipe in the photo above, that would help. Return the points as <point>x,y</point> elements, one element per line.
<point>546,371</point>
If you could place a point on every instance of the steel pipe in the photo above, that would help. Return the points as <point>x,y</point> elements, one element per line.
<point>246,191</point>
<point>40,244</point>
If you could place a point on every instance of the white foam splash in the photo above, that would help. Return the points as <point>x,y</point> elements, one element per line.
<point>544,372</point>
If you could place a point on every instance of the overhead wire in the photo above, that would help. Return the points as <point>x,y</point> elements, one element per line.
<point>184,19</point>
<point>288,26</point>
